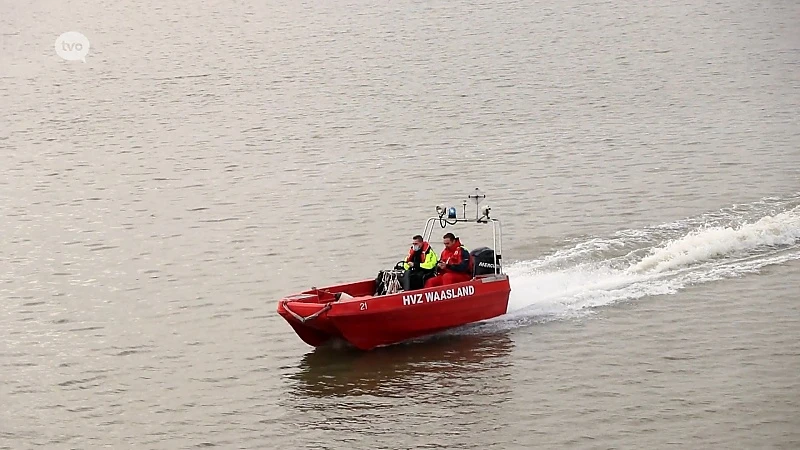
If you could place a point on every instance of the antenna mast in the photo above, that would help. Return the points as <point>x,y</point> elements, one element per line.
<point>478,196</point>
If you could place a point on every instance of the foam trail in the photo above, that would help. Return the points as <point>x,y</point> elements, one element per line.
<point>654,261</point>
<point>704,245</point>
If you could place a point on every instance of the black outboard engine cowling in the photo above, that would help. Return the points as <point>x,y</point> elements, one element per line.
<point>483,261</point>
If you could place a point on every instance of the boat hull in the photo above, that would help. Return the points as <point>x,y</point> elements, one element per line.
<point>367,322</point>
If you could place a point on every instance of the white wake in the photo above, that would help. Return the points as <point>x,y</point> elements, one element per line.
<point>655,261</point>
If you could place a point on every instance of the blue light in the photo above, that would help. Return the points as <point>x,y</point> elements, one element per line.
<point>451,212</point>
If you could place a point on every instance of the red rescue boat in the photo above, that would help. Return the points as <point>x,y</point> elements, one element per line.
<point>353,312</point>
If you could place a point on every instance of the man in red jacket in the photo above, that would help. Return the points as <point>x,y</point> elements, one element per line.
<point>454,264</point>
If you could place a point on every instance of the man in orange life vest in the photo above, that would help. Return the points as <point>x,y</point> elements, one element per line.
<point>454,265</point>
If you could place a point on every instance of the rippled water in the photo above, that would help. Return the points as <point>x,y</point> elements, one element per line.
<point>209,158</point>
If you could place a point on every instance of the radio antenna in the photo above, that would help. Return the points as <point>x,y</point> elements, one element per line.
<point>478,196</point>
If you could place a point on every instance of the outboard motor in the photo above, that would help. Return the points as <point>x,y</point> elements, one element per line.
<point>483,261</point>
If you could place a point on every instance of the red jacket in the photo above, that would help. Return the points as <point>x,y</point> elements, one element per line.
<point>423,251</point>
<point>456,258</point>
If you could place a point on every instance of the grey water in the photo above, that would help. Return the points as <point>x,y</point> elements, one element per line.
<point>206,159</point>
